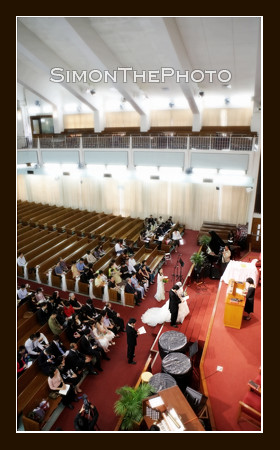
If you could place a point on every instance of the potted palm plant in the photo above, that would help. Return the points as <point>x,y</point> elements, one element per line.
<point>198,259</point>
<point>129,405</point>
<point>204,240</point>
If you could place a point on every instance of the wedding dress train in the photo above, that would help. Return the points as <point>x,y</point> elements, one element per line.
<point>155,316</point>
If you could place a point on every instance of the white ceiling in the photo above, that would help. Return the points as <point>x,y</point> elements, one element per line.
<point>144,43</point>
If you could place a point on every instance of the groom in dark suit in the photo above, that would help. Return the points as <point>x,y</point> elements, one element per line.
<point>174,301</point>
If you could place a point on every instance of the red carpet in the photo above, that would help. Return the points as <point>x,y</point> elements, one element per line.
<point>239,353</point>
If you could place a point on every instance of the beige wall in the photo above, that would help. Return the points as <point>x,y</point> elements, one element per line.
<point>229,117</point>
<point>78,121</point>
<point>122,119</point>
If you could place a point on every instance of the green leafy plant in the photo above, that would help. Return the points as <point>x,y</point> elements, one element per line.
<point>129,405</point>
<point>198,259</point>
<point>204,240</point>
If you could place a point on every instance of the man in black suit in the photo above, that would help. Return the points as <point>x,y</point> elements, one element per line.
<point>174,301</point>
<point>46,361</point>
<point>131,336</point>
<point>114,316</point>
<point>42,313</point>
<point>131,290</point>
<point>89,308</point>
<point>57,348</point>
<point>76,361</point>
<point>89,347</point>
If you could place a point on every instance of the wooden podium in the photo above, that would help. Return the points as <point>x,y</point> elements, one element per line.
<point>234,304</point>
<point>173,398</point>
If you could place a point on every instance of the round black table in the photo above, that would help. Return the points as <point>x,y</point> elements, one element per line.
<point>172,341</point>
<point>179,367</point>
<point>161,381</point>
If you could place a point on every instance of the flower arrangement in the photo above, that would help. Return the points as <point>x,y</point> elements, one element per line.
<point>165,280</point>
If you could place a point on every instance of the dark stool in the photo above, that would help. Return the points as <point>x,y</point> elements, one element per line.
<point>172,341</point>
<point>161,381</point>
<point>179,367</point>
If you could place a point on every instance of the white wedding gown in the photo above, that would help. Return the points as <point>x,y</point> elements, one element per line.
<point>160,293</point>
<point>154,316</point>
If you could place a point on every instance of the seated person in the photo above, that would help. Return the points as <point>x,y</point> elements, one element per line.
<point>56,383</point>
<point>77,361</point>
<point>22,360</point>
<point>131,290</point>
<point>42,313</point>
<point>68,309</point>
<point>124,271</point>
<point>57,300</point>
<point>115,316</point>
<point>31,347</point>
<point>137,286</point>
<point>56,348</point>
<point>112,285</point>
<point>81,266</point>
<point>147,272</point>
<point>74,302</point>
<point>63,265</point>
<point>119,248</point>
<point>74,270</point>
<point>89,308</point>
<point>41,340</point>
<point>21,261</point>
<point>40,296</point>
<point>100,280</point>
<point>71,330</point>
<point>113,270</point>
<point>90,258</point>
<point>69,376</point>
<point>23,295</point>
<point>54,325</point>
<point>131,263</point>
<point>46,361</point>
<point>58,270</point>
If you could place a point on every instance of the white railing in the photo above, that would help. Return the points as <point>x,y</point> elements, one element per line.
<point>233,143</point>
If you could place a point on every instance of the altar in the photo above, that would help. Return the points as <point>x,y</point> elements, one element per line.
<point>240,271</point>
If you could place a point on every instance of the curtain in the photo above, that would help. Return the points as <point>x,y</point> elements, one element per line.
<point>188,203</point>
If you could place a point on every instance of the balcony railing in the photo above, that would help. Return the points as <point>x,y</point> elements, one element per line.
<point>233,143</point>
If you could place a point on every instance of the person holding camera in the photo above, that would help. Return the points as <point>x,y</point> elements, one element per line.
<point>86,419</point>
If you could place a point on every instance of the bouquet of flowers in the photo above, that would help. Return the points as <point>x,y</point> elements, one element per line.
<point>165,280</point>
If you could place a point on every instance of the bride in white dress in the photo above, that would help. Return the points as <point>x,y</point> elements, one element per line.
<point>160,294</point>
<point>154,316</point>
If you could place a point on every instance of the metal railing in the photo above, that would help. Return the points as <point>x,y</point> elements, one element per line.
<point>233,143</point>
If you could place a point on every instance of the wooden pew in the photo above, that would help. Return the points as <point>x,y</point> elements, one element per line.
<point>41,393</point>
<point>46,236</point>
<point>50,222</point>
<point>25,238</point>
<point>103,230</point>
<point>98,225</point>
<point>115,231</point>
<point>155,259</point>
<point>50,216</point>
<point>22,230</point>
<point>63,225</point>
<point>133,230</point>
<point>71,228</point>
<point>26,217</point>
<point>33,221</point>
<point>90,230</point>
<point>80,229</point>
<point>59,221</point>
<point>28,211</point>
<point>40,249</point>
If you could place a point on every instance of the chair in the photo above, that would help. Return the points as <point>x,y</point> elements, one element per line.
<point>250,405</point>
<point>167,257</point>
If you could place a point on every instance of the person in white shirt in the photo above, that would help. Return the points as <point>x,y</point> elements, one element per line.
<point>137,286</point>
<point>41,341</point>
<point>176,236</point>
<point>22,292</point>
<point>90,258</point>
<point>130,264</point>
<point>21,260</point>
<point>119,248</point>
<point>31,347</point>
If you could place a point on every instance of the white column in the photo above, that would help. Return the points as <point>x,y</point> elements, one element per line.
<point>145,122</point>
<point>58,124</point>
<point>196,126</point>
<point>99,121</point>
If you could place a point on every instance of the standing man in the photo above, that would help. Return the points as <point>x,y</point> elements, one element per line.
<point>174,301</point>
<point>131,335</point>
